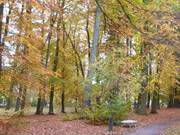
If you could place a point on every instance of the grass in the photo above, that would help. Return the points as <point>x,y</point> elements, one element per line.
<point>31,111</point>
<point>70,116</point>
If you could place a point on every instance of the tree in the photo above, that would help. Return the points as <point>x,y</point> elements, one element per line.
<point>93,54</point>
<point>1,35</point>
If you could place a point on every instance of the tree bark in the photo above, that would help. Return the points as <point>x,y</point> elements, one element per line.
<point>62,102</point>
<point>18,100</point>
<point>88,34</point>
<point>1,33</point>
<point>38,105</point>
<point>41,98</point>
<point>87,100</point>
<point>9,98</point>
<point>51,98</point>
<point>142,103</point>
<point>55,64</point>
<point>158,100</point>
<point>154,102</point>
<point>142,110</point>
<point>148,100</point>
<point>51,105</point>
<point>8,106</point>
<point>64,38</point>
<point>23,102</point>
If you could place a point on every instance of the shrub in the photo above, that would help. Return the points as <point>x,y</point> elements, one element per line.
<point>99,113</point>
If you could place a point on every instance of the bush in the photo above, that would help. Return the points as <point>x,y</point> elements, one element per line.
<point>99,113</point>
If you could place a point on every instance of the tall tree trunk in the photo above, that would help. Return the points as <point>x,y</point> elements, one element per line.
<point>149,73</point>
<point>41,98</point>
<point>142,110</point>
<point>88,34</point>
<point>51,111</point>
<point>1,31</point>
<point>18,100</point>
<point>8,106</point>
<point>63,75</point>
<point>55,64</point>
<point>87,101</point>
<point>64,38</point>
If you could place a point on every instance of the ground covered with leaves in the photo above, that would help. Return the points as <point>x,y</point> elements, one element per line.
<point>54,125</point>
<point>173,130</point>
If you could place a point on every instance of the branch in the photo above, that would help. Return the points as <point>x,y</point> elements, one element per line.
<point>127,16</point>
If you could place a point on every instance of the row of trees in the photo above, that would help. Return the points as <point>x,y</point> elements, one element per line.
<point>89,53</point>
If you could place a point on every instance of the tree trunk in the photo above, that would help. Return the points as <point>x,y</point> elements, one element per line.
<point>142,97</point>
<point>64,38</point>
<point>142,110</point>
<point>158,100</point>
<point>171,99</point>
<point>1,31</point>
<point>18,100</point>
<point>127,46</point>
<point>9,98</point>
<point>87,100</point>
<point>154,102</point>
<point>148,100</point>
<point>88,34</point>
<point>38,106</point>
<point>142,103</point>
<point>51,107</point>
<point>170,104</point>
<point>55,64</point>
<point>23,102</point>
<point>8,106</point>
<point>41,99</point>
<point>62,102</point>
<point>18,104</point>
<point>42,104</point>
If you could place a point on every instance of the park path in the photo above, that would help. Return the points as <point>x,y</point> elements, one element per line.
<point>156,129</point>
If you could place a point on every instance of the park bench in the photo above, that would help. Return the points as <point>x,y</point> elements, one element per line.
<point>129,123</point>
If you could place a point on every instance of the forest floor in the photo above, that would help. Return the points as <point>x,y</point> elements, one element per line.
<point>153,124</point>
